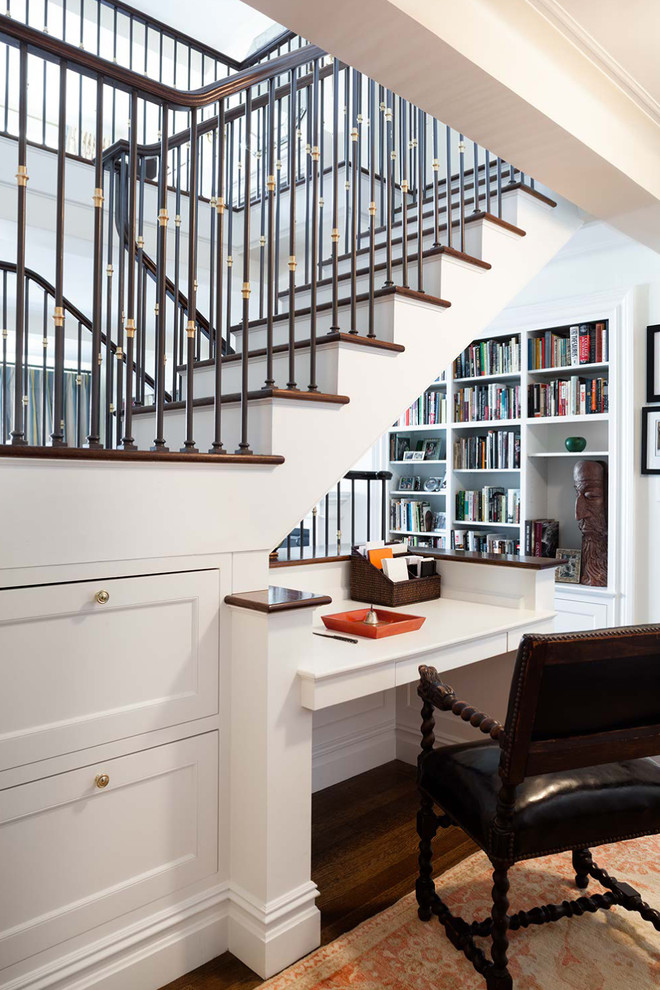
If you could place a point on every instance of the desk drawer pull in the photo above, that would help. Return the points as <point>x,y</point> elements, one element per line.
<point>102,597</point>
<point>102,780</point>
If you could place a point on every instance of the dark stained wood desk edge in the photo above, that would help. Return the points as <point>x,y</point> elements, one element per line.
<point>276,599</point>
<point>501,559</point>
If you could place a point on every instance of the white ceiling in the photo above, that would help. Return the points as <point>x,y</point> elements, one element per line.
<point>229,26</point>
<point>623,38</point>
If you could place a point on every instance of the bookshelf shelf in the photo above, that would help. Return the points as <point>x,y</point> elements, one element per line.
<point>404,491</point>
<point>417,429</point>
<point>417,464</point>
<point>571,369</point>
<point>506,376</point>
<point>482,524</point>
<point>487,470</point>
<point>485,424</point>
<point>418,532</point>
<point>588,418</point>
<point>569,453</point>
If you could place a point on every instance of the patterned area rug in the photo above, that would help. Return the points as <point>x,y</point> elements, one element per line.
<point>609,950</point>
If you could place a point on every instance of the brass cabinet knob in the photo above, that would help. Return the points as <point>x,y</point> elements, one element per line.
<point>101,780</point>
<point>102,597</point>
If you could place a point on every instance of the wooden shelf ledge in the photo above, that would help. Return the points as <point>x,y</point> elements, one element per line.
<point>276,599</point>
<point>501,559</point>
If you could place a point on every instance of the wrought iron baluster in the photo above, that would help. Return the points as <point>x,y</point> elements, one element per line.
<point>334,235</point>
<point>271,275</point>
<point>230,222</point>
<point>141,330</point>
<point>368,509</point>
<point>499,187</point>
<point>314,165</point>
<point>177,329</point>
<point>292,230</point>
<point>352,512</point>
<point>58,438</point>
<point>475,172</point>
<point>44,367</point>
<point>244,446</point>
<point>94,437</point>
<point>404,191</point>
<point>355,178</point>
<point>487,171</point>
<point>159,443</point>
<point>339,517</point>
<point>436,186</point>
<point>372,205</point>
<point>217,446</point>
<point>212,333</point>
<point>128,442</point>
<point>391,161</point>
<point>421,153</point>
<point>5,334</point>
<point>449,187</point>
<point>278,175</point>
<point>109,367</point>
<point>189,442</point>
<point>119,352</point>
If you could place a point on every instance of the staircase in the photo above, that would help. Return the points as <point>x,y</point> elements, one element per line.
<point>339,247</point>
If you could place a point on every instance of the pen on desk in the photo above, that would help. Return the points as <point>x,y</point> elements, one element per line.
<point>345,639</point>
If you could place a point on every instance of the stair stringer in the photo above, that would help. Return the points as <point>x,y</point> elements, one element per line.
<point>100,510</point>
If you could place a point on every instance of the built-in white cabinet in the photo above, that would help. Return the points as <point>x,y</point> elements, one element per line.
<point>87,662</point>
<point>80,848</point>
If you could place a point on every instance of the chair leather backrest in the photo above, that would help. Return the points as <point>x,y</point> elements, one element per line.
<point>580,699</point>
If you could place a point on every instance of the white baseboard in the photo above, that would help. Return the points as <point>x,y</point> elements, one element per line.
<point>158,949</point>
<point>270,937</point>
<point>353,753</point>
<point>144,955</point>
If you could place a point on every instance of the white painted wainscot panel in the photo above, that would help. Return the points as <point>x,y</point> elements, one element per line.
<point>75,855</point>
<point>76,673</point>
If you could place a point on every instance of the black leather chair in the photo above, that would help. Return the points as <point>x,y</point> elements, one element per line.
<point>569,770</point>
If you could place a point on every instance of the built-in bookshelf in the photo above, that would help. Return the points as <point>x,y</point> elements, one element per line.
<point>493,455</point>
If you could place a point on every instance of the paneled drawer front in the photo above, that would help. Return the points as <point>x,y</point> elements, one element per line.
<point>75,855</point>
<point>76,672</point>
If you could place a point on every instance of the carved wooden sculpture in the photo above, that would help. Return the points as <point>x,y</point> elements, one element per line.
<point>590,479</point>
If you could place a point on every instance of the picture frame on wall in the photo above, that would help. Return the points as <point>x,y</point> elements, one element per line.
<point>653,363</point>
<point>651,440</point>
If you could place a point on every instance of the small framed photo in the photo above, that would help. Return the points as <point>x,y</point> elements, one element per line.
<point>406,484</point>
<point>569,571</point>
<point>439,521</point>
<point>431,449</point>
<point>413,455</point>
<point>653,363</point>
<point>651,440</point>
<point>402,445</point>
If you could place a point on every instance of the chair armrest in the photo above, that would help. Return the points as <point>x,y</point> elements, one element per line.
<point>432,690</point>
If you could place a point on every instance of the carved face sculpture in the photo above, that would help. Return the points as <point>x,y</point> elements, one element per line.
<point>591,505</point>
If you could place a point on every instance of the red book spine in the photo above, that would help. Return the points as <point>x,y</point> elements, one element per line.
<point>584,348</point>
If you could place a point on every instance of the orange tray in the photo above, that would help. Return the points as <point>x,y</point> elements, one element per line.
<point>389,623</point>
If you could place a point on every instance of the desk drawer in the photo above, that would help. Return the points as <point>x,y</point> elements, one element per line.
<point>77,671</point>
<point>74,855</point>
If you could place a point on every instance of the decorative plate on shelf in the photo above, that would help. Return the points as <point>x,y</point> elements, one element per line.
<point>432,484</point>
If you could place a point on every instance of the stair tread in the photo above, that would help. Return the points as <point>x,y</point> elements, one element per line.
<point>335,336</point>
<point>85,454</point>
<point>386,290</point>
<point>299,395</point>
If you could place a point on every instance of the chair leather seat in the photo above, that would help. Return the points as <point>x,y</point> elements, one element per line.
<point>553,811</point>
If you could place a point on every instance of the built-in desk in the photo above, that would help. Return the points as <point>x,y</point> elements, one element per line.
<point>455,633</point>
<point>487,603</point>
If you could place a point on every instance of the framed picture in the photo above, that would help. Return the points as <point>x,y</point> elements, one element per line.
<point>568,572</point>
<point>653,363</point>
<point>413,455</point>
<point>431,449</point>
<point>439,521</point>
<point>651,440</point>
<point>402,445</point>
<point>406,484</point>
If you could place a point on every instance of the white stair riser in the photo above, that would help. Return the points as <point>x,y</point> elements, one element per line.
<point>326,372</point>
<point>260,427</point>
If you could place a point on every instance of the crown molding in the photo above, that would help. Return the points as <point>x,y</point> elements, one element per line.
<point>567,25</point>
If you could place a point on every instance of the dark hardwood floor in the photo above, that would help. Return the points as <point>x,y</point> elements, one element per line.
<point>364,858</point>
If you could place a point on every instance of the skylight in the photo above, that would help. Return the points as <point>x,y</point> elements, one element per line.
<point>229,26</point>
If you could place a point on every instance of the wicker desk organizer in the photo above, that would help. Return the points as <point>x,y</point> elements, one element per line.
<point>369,584</point>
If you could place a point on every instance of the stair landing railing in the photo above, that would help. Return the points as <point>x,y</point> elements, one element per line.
<point>305,176</point>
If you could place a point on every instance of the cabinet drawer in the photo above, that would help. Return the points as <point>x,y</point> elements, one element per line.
<point>75,673</point>
<point>74,855</point>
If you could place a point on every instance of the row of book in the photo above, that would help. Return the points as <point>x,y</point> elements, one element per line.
<point>482,542</point>
<point>413,515</point>
<point>541,537</point>
<point>495,449</point>
<point>568,397</point>
<point>488,504</point>
<point>429,410</point>
<point>428,542</point>
<point>488,357</point>
<point>585,343</point>
<point>479,403</point>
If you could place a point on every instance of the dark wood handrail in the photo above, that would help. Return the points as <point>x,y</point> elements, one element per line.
<point>92,65</point>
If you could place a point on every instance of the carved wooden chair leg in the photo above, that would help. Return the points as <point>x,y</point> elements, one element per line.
<point>498,976</point>
<point>582,864</point>
<point>427,826</point>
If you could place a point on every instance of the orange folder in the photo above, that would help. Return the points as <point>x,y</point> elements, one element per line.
<point>376,556</point>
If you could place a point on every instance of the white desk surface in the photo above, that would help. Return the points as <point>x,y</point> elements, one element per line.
<point>455,633</point>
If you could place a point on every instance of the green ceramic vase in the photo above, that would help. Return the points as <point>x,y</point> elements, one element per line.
<point>575,445</point>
